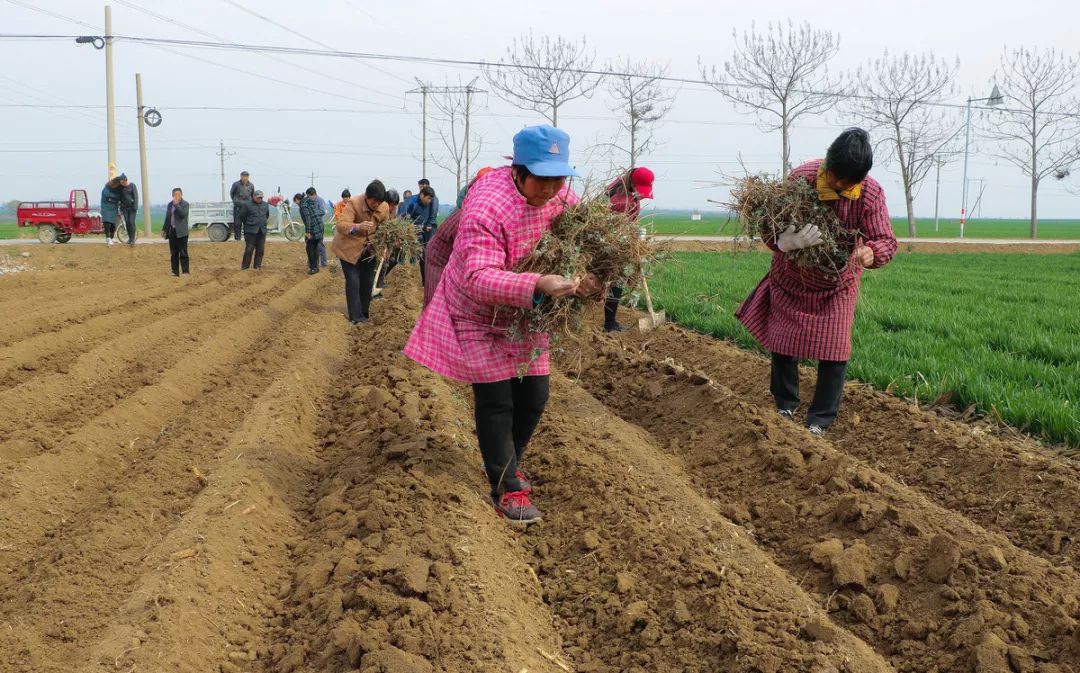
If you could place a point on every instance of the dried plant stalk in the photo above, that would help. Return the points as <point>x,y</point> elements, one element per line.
<point>587,238</point>
<point>398,234</point>
<point>766,206</point>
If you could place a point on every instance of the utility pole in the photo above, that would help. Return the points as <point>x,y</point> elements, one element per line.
<point>110,107</point>
<point>424,89</point>
<point>937,193</point>
<point>312,183</point>
<point>222,153</point>
<point>142,156</point>
<point>468,108</point>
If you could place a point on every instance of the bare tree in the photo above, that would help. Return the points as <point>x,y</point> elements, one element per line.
<point>780,74</point>
<point>892,96</point>
<point>1040,129</point>
<point>638,94</point>
<point>543,74</point>
<point>461,143</point>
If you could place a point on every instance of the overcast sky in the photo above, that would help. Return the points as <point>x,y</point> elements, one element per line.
<point>44,152</point>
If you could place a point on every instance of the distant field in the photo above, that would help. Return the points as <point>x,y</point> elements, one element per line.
<point>979,326</point>
<point>676,225</point>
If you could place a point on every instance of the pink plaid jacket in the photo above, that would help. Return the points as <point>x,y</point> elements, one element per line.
<point>809,314</point>
<point>460,334</point>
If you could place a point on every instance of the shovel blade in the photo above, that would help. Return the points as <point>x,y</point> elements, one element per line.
<point>649,323</point>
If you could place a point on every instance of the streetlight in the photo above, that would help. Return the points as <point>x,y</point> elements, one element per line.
<point>106,43</point>
<point>994,99</point>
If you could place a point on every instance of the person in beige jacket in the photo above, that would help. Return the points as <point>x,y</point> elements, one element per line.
<point>359,219</point>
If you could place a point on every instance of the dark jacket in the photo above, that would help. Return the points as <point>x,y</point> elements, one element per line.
<point>254,216</point>
<point>312,213</point>
<point>176,218</point>
<point>129,197</point>
<point>110,204</point>
<point>423,216</point>
<point>241,193</point>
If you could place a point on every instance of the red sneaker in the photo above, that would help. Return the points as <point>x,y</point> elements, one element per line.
<point>526,485</point>
<point>517,508</point>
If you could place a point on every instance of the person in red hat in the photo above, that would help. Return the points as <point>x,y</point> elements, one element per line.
<point>626,194</point>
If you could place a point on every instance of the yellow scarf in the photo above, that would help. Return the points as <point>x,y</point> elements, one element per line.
<point>827,193</point>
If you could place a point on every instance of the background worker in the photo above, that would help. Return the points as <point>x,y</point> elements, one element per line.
<point>176,232</point>
<point>360,218</point>
<point>241,192</point>
<point>254,215</point>
<point>804,313</point>
<point>437,252</point>
<point>462,335</point>
<point>626,194</point>
<point>312,213</point>
<point>110,208</point>
<point>129,205</point>
<point>419,209</point>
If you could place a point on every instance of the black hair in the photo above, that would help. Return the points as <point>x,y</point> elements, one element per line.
<point>177,189</point>
<point>297,197</point>
<point>851,156</point>
<point>114,183</point>
<point>427,191</point>
<point>407,191</point>
<point>346,194</point>
<point>423,182</point>
<point>376,190</point>
<point>392,196</point>
<point>520,171</point>
<point>310,191</point>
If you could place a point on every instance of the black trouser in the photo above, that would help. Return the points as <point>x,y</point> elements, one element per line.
<point>611,306</point>
<point>129,223</point>
<point>178,256</point>
<point>110,229</point>
<point>393,260</point>
<point>237,227</point>
<point>256,243</point>
<point>359,281</point>
<point>830,388</point>
<point>506,415</point>
<point>423,275</point>
<point>322,253</point>
<point>313,253</point>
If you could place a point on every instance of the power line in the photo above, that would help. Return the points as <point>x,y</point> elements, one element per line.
<point>189,27</point>
<point>237,46</point>
<point>312,40</point>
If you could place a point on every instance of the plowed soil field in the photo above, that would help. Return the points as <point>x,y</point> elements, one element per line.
<point>219,474</point>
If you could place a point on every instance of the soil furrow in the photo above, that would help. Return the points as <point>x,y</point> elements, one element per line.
<point>646,575</point>
<point>212,610</point>
<point>36,317</point>
<point>924,586</point>
<point>402,565</point>
<point>48,489</point>
<point>1008,484</point>
<point>157,507</point>
<point>44,410</point>
<point>52,351</point>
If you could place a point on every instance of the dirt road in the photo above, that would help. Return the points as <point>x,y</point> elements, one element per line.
<point>217,473</point>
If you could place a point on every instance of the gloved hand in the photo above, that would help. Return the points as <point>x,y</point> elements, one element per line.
<point>790,240</point>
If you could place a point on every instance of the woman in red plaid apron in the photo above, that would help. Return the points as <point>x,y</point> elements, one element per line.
<point>463,336</point>
<point>798,313</point>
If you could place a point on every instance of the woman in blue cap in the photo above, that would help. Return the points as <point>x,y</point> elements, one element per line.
<point>462,336</point>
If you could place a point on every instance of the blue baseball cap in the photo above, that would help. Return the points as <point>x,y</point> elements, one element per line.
<point>545,151</point>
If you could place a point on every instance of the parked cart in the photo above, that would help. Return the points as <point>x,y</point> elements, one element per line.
<point>216,217</point>
<point>58,221</point>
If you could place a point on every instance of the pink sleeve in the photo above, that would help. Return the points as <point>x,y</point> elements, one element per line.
<point>876,228</point>
<point>486,280</point>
